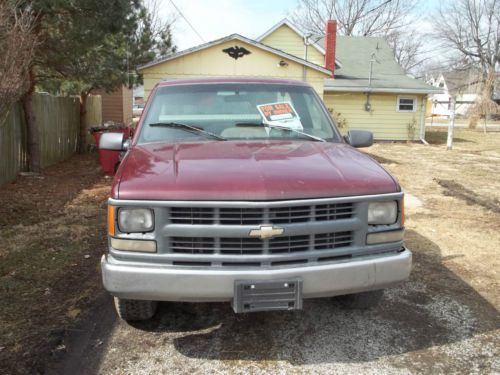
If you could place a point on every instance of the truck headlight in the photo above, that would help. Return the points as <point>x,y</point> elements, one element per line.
<point>382,212</point>
<point>134,220</point>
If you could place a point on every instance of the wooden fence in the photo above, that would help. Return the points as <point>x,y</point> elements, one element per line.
<point>58,120</point>
<point>13,156</point>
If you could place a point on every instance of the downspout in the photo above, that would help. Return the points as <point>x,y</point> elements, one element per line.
<point>422,120</point>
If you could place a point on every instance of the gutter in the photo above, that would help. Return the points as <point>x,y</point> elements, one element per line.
<point>382,90</point>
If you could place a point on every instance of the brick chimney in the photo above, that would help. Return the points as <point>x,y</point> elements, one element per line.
<point>330,45</point>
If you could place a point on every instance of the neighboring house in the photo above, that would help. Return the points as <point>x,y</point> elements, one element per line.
<point>464,84</point>
<point>358,78</point>
<point>139,95</point>
<point>117,105</point>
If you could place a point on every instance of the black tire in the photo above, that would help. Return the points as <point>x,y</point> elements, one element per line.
<point>128,309</point>
<point>361,301</point>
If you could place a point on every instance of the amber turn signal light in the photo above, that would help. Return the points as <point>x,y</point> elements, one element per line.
<point>111,221</point>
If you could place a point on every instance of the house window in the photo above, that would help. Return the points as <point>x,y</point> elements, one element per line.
<point>406,104</point>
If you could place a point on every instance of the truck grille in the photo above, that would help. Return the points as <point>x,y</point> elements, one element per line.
<point>217,235</point>
<point>256,246</point>
<point>253,216</point>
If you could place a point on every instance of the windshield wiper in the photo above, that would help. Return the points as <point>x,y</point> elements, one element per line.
<point>188,128</point>
<point>255,124</point>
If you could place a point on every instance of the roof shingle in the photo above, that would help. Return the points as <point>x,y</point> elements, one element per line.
<point>355,52</point>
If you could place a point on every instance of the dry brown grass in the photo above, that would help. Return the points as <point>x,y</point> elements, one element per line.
<point>53,234</point>
<point>460,195</point>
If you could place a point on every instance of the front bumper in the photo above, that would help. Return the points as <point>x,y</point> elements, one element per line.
<point>161,283</point>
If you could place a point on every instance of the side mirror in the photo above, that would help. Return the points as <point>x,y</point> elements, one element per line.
<point>359,138</point>
<point>112,141</point>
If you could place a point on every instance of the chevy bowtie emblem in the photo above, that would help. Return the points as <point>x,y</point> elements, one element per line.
<point>266,232</point>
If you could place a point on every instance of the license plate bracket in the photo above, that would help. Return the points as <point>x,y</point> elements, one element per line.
<point>267,295</point>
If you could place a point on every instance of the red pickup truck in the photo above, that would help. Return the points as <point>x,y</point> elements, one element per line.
<point>244,190</point>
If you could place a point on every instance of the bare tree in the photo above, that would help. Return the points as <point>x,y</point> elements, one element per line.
<point>354,17</point>
<point>385,18</point>
<point>408,47</point>
<point>17,43</point>
<point>471,28</point>
<point>484,106</point>
<point>159,26</point>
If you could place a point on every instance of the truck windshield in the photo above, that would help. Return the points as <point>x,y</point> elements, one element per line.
<point>234,112</point>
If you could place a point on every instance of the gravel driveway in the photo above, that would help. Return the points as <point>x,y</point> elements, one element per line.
<point>417,329</point>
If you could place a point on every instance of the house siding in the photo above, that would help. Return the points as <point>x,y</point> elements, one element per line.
<point>383,120</point>
<point>213,62</point>
<point>117,105</point>
<point>112,106</point>
<point>287,40</point>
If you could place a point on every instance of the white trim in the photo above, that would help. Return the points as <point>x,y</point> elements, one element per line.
<point>286,22</point>
<point>241,39</point>
<point>415,102</point>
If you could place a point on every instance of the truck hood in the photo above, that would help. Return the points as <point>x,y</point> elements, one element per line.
<point>248,170</point>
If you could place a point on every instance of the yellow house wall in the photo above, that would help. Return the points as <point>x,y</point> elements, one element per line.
<point>285,39</point>
<point>213,62</point>
<point>428,108</point>
<point>383,120</point>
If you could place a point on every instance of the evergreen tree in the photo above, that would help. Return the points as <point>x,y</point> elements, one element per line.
<point>90,44</point>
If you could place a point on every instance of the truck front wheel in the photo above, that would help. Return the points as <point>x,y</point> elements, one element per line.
<point>128,309</point>
<point>362,301</point>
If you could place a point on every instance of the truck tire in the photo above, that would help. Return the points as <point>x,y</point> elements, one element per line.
<point>361,301</point>
<point>128,309</point>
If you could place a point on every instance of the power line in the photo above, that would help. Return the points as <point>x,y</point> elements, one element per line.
<point>185,19</point>
<point>377,7</point>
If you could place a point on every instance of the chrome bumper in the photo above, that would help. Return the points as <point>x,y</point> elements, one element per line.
<point>166,283</point>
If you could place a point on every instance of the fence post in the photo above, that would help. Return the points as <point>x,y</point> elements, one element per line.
<point>451,124</point>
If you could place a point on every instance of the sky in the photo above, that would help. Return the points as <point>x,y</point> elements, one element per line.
<point>217,18</point>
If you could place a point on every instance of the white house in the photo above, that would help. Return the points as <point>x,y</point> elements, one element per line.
<point>464,84</point>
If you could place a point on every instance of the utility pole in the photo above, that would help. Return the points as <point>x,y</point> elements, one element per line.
<point>451,124</point>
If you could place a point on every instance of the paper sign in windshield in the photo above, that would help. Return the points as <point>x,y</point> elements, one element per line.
<point>282,114</point>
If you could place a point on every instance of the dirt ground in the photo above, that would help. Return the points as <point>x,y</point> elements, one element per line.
<point>52,231</point>
<point>445,319</point>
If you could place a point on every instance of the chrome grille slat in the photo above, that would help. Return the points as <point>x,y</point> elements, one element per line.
<point>247,246</point>
<point>257,216</point>
<point>192,215</point>
<point>240,246</point>
<point>192,245</point>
